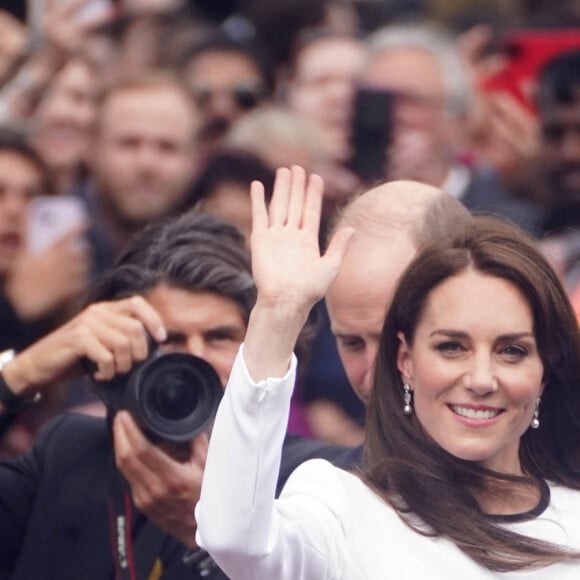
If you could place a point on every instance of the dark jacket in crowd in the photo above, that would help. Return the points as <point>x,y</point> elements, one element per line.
<point>60,505</point>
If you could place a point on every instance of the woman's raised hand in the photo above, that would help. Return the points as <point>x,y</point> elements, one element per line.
<point>286,261</point>
<point>290,274</point>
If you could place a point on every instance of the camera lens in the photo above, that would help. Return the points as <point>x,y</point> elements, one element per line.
<point>172,397</point>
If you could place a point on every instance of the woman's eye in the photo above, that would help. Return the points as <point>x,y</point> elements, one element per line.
<point>515,351</point>
<point>449,347</point>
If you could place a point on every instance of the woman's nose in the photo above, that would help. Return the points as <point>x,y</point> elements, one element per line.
<point>480,377</point>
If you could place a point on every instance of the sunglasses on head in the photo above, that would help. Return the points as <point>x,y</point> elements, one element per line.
<point>246,96</point>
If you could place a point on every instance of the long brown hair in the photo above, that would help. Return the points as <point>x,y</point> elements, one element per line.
<point>416,475</point>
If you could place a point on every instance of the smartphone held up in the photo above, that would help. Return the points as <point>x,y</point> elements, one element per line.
<point>51,218</point>
<point>371,131</point>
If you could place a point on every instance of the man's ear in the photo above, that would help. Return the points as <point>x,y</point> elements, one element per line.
<point>404,362</point>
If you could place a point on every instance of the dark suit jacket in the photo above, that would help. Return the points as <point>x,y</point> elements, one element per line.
<point>55,505</point>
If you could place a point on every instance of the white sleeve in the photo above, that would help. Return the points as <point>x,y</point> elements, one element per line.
<point>249,534</point>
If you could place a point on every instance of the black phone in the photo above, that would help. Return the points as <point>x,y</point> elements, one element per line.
<point>370,132</point>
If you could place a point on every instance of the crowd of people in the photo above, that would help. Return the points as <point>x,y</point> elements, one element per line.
<point>365,219</point>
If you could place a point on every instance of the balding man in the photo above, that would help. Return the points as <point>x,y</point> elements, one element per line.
<point>391,222</point>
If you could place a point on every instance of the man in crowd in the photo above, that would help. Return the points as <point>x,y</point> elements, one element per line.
<point>143,159</point>
<point>227,78</point>
<point>431,95</point>
<point>391,222</point>
<point>33,287</point>
<point>36,288</point>
<point>65,511</point>
<point>558,102</point>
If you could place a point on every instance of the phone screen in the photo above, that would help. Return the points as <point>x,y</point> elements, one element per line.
<point>371,133</point>
<point>50,218</point>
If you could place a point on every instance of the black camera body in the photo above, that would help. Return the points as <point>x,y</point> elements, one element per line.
<point>171,396</point>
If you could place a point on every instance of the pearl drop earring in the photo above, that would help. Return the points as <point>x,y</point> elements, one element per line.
<point>407,397</point>
<point>536,418</point>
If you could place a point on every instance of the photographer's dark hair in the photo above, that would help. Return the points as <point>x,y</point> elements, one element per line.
<point>193,252</point>
<point>419,477</point>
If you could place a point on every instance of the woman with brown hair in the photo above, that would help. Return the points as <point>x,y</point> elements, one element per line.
<point>471,455</point>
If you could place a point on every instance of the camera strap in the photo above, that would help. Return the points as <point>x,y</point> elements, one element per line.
<point>132,560</point>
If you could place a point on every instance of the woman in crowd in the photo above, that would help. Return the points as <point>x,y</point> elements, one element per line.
<point>471,452</point>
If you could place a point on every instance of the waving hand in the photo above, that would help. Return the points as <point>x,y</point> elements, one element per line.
<point>290,274</point>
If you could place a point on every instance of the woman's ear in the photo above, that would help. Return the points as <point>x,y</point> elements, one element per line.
<point>404,362</point>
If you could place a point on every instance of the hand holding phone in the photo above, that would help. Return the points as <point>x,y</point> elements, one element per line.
<point>525,52</point>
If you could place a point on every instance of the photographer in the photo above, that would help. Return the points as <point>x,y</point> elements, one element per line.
<point>65,510</point>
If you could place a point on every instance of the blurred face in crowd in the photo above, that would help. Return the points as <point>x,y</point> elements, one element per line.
<point>230,202</point>
<point>143,158</point>
<point>20,181</point>
<point>205,324</point>
<point>225,85</point>
<point>424,128</point>
<point>12,43</point>
<point>65,117</point>
<point>561,146</point>
<point>321,88</point>
<point>358,300</point>
<point>475,373</point>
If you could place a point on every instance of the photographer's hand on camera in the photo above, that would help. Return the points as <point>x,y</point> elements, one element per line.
<point>112,335</point>
<point>165,479</point>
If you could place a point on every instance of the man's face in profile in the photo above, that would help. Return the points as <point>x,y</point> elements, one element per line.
<point>358,300</point>
<point>561,147</point>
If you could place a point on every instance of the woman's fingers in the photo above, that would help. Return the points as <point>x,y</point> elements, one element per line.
<point>290,200</point>
<point>313,204</point>
<point>297,196</point>
<point>278,210</point>
<point>259,211</point>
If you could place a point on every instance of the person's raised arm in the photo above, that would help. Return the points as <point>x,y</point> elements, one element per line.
<point>290,274</point>
<point>239,522</point>
<point>110,334</point>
